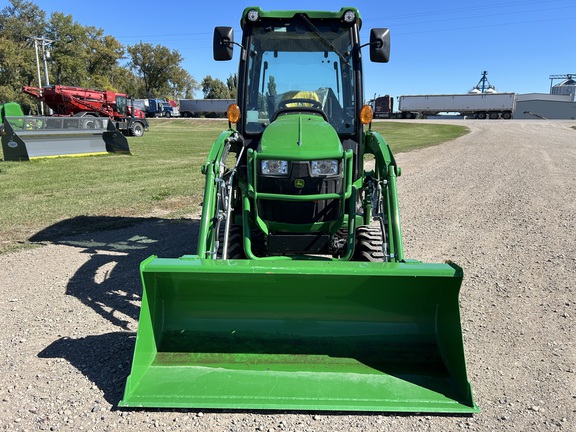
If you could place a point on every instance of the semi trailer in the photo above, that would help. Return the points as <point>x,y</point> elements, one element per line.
<point>199,107</point>
<point>474,105</point>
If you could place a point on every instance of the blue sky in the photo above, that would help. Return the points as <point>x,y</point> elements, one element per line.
<point>437,47</point>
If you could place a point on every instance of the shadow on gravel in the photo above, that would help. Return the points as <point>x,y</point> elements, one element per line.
<point>104,359</point>
<point>109,284</point>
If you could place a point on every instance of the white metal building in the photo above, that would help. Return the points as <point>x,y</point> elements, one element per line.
<point>560,104</point>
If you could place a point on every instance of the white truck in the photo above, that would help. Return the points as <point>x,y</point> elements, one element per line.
<point>198,107</point>
<point>475,105</point>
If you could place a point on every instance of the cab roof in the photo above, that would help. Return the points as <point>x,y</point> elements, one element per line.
<point>312,15</point>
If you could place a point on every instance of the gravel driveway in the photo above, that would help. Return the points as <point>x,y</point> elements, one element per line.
<point>499,201</point>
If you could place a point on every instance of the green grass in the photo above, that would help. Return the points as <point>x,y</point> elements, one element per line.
<point>162,177</point>
<point>404,136</point>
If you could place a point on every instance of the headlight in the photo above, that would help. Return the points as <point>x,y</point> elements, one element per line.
<point>349,16</point>
<point>253,15</point>
<point>325,167</point>
<point>274,167</point>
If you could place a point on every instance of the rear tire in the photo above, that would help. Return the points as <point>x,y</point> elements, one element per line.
<point>369,242</point>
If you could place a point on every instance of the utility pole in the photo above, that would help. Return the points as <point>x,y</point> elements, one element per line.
<point>42,42</point>
<point>38,69</point>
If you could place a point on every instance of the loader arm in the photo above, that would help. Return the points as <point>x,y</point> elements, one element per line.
<point>386,171</point>
<point>226,143</point>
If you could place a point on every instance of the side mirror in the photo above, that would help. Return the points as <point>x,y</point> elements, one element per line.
<point>380,45</point>
<point>223,43</point>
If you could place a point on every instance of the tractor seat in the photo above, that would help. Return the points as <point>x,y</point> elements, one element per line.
<point>297,94</point>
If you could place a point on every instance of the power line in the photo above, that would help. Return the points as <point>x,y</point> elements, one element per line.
<point>485,26</point>
<point>465,9</point>
<point>205,34</point>
<point>202,36</point>
<point>500,14</point>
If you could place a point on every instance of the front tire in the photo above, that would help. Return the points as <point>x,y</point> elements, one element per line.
<point>137,129</point>
<point>235,242</point>
<point>369,241</point>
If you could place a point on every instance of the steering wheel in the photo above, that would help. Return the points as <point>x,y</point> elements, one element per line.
<point>306,103</point>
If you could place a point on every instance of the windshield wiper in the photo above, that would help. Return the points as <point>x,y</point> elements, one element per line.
<point>323,38</point>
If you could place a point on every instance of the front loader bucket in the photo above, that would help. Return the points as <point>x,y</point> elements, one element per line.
<point>299,335</point>
<point>25,138</point>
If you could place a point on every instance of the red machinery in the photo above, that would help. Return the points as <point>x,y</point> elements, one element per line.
<point>78,101</point>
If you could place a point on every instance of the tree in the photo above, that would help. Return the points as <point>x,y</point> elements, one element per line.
<point>19,23</point>
<point>214,88</point>
<point>127,82</point>
<point>69,50</point>
<point>232,84</point>
<point>272,86</point>
<point>104,54</point>
<point>12,62</point>
<point>82,56</point>
<point>160,69</point>
<point>182,85</point>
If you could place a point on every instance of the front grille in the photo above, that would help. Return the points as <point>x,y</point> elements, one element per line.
<point>299,212</point>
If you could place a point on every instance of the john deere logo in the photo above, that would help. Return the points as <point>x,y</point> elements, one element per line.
<point>299,183</point>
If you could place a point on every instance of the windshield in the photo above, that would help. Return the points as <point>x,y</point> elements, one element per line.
<point>121,102</point>
<point>291,62</point>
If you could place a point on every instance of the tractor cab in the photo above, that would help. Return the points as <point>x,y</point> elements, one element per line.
<point>300,62</point>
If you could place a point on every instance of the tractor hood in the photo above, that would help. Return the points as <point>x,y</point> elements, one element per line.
<point>300,136</point>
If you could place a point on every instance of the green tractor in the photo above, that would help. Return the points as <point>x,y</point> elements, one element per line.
<point>299,296</point>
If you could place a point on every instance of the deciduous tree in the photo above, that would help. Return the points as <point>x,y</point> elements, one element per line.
<point>20,21</point>
<point>214,88</point>
<point>160,69</point>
